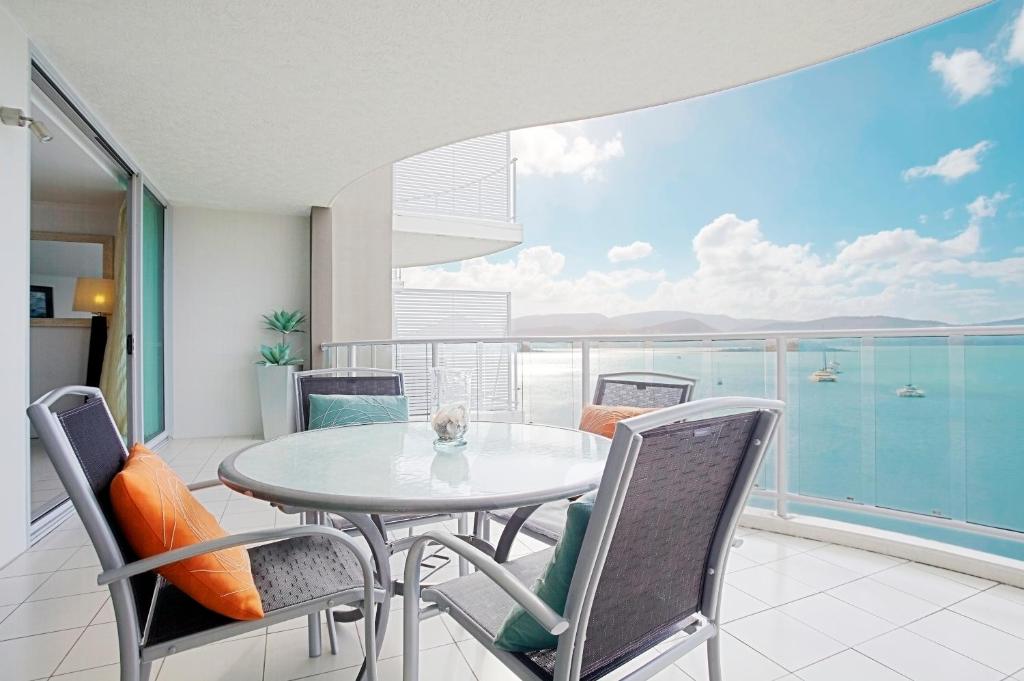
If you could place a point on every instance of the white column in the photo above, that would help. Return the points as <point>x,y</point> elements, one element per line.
<point>14,226</point>
<point>351,249</point>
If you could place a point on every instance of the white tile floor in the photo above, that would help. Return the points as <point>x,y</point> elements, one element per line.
<point>793,609</point>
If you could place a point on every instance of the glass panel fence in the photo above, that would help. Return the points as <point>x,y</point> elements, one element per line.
<point>906,433</point>
<point>549,383</point>
<point>910,389</point>
<point>994,431</point>
<point>825,418</point>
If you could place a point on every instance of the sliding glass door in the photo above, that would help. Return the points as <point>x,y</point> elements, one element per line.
<point>154,420</point>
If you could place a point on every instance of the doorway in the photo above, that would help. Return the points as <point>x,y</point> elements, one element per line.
<point>96,284</point>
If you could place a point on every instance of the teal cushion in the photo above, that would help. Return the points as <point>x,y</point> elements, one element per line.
<point>326,411</point>
<point>520,632</point>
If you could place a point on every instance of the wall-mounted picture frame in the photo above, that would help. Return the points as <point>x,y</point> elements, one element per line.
<point>40,302</point>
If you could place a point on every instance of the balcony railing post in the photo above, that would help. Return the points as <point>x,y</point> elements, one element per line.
<point>781,393</point>
<point>512,190</point>
<point>584,373</point>
<point>352,355</point>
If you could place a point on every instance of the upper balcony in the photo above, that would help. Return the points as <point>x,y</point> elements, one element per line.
<point>455,202</point>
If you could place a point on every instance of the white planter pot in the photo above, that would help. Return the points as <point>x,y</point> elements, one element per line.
<point>277,399</point>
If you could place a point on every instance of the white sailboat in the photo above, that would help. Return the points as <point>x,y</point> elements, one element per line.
<point>825,374</point>
<point>909,390</point>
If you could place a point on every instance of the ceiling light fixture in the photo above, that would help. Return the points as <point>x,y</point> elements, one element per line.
<point>17,117</point>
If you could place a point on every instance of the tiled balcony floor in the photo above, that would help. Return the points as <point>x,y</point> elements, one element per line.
<point>794,609</point>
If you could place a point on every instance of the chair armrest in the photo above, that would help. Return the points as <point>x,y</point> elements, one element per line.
<point>204,484</point>
<point>257,536</point>
<point>505,580</point>
<point>232,540</point>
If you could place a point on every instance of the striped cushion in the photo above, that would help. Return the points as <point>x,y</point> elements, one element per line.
<point>601,419</point>
<point>326,411</point>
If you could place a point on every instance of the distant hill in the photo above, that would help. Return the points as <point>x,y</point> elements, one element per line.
<point>679,326</point>
<point>590,324</point>
<point>829,323</point>
<point>571,324</point>
<point>1005,322</point>
<point>677,322</point>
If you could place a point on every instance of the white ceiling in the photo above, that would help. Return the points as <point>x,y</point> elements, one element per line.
<point>276,105</point>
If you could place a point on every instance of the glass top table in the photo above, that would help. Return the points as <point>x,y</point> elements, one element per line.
<point>392,468</point>
<point>384,468</point>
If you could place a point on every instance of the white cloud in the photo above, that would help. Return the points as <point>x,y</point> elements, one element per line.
<point>952,166</point>
<point>1015,51</point>
<point>563,150</point>
<point>965,73</point>
<point>634,251</point>
<point>740,271</point>
<point>985,206</point>
<point>535,279</point>
<point>948,213</point>
<point>922,219</point>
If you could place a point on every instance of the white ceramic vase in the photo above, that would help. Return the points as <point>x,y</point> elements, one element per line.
<point>277,399</point>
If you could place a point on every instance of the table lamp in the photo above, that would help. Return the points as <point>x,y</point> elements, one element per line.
<point>95,296</point>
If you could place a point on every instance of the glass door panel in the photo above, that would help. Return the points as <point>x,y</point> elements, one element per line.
<point>153,407</point>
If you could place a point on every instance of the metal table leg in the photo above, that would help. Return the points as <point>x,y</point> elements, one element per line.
<point>372,531</point>
<point>313,621</point>
<point>463,531</point>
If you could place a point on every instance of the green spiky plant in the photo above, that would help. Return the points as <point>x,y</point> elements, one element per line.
<point>284,323</point>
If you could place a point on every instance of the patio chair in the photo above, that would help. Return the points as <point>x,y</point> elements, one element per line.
<point>357,381</point>
<point>627,389</point>
<point>652,563</point>
<point>365,381</point>
<point>298,571</point>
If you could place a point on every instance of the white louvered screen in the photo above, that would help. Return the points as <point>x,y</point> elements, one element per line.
<point>466,179</point>
<point>436,313</point>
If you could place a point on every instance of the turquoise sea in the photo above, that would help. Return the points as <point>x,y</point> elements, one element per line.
<point>956,453</point>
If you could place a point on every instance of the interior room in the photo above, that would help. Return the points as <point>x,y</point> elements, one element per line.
<point>76,254</point>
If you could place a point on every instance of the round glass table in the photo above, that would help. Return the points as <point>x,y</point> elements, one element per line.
<point>394,468</point>
<point>361,472</point>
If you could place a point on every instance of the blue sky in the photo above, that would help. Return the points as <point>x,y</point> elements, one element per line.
<point>890,181</point>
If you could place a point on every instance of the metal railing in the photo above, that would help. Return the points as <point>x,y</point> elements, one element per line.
<point>491,196</point>
<point>853,447</point>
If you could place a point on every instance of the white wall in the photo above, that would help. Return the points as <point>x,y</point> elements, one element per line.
<point>353,252</point>
<point>14,230</point>
<point>227,269</point>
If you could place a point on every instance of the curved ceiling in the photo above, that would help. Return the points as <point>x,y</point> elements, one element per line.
<point>276,105</point>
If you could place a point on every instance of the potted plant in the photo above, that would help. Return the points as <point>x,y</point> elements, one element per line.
<point>274,375</point>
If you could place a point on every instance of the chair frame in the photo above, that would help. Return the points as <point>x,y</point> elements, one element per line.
<point>399,545</point>
<point>670,381</point>
<point>301,408</point>
<point>136,657</point>
<point>392,546</point>
<point>519,521</point>
<point>571,626</point>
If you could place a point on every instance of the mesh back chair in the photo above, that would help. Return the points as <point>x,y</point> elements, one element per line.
<point>360,381</point>
<point>653,558</point>
<point>628,389</point>
<point>643,389</point>
<point>342,382</point>
<point>299,571</point>
<point>355,381</point>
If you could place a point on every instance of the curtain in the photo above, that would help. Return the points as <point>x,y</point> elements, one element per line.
<point>114,375</point>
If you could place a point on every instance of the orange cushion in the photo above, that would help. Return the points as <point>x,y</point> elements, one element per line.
<point>601,419</point>
<point>158,513</point>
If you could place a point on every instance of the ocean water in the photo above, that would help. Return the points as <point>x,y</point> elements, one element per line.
<point>956,453</point>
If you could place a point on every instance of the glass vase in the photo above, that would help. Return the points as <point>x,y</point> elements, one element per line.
<point>449,406</point>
